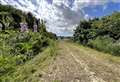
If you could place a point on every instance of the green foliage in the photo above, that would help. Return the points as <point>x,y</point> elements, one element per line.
<point>9,63</point>
<point>6,8</point>
<point>16,48</point>
<point>84,33</point>
<point>25,43</point>
<point>25,72</point>
<point>105,44</point>
<point>11,17</point>
<point>52,35</point>
<point>30,20</point>
<point>94,32</point>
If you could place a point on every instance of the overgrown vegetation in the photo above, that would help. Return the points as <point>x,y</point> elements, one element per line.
<point>100,33</point>
<point>22,37</point>
<point>27,71</point>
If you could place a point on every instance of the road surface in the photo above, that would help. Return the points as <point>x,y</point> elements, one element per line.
<point>78,64</point>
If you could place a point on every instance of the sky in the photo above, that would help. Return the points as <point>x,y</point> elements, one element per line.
<point>62,16</point>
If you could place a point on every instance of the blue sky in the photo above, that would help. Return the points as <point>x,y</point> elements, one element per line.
<point>102,10</point>
<point>63,15</point>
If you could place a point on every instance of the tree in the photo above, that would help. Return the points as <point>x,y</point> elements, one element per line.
<point>82,32</point>
<point>91,29</point>
<point>30,20</point>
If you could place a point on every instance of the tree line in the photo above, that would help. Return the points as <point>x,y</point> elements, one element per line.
<point>100,33</point>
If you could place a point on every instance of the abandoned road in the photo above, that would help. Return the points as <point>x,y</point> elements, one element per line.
<point>76,63</point>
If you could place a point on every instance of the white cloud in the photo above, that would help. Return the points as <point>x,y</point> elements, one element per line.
<point>87,16</point>
<point>61,15</point>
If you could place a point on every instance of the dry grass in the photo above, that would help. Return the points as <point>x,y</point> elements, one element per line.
<point>98,54</point>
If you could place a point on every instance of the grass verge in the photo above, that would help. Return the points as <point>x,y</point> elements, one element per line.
<point>32,70</point>
<point>97,54</point>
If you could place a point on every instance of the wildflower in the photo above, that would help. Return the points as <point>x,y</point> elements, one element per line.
<point>35,29</point>
<point>23,27</point>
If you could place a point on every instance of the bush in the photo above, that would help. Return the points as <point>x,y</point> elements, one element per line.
<point>115,49</point>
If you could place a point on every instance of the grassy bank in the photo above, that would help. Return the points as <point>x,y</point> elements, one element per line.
<point>31,71</point>
<point>16,49</point>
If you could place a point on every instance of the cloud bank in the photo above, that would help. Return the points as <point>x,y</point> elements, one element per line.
<point>61,15</point>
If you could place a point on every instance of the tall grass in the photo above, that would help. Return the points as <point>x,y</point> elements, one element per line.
<point>17,48</point>
<point>31,70</point>
<point>105,44</point>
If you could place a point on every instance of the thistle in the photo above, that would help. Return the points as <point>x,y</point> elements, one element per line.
<point>23,27</point>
